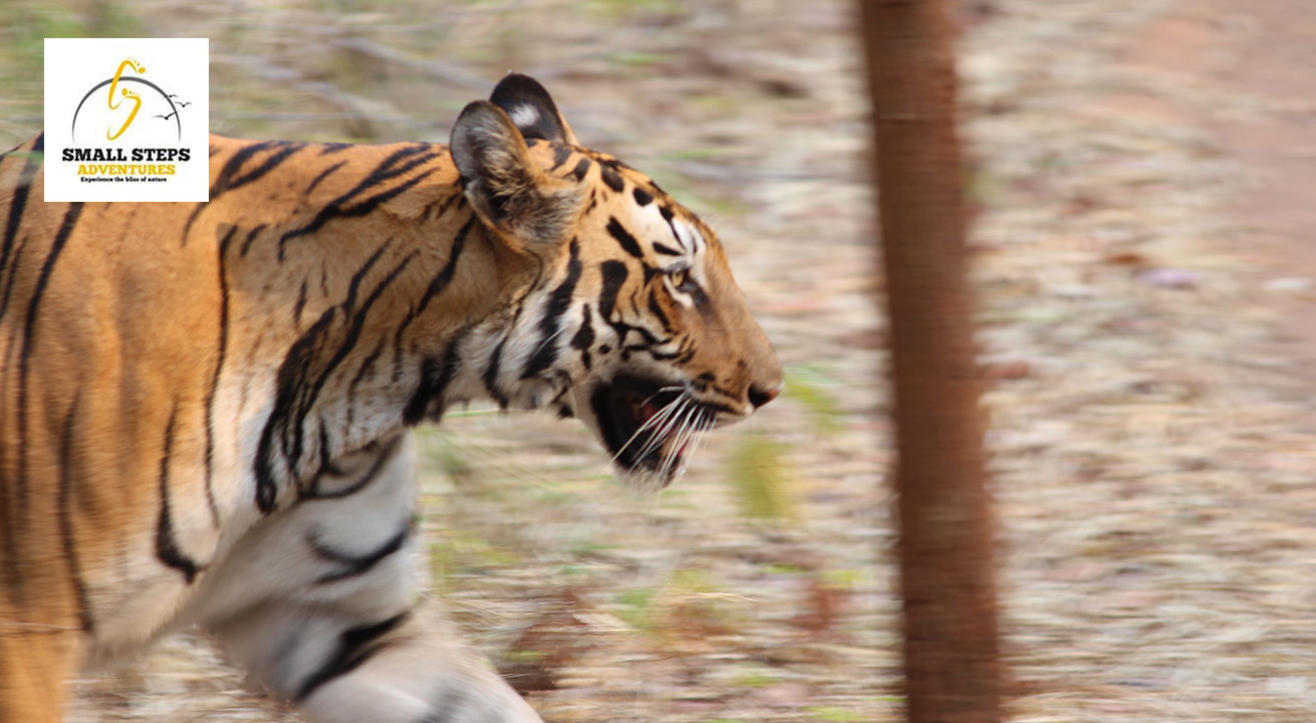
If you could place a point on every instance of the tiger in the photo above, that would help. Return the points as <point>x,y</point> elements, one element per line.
<point>205,407</point>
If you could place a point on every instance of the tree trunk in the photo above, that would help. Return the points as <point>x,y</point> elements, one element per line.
<point>946,540</point>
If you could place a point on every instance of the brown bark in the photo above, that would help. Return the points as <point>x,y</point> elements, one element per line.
<point>946,540</point>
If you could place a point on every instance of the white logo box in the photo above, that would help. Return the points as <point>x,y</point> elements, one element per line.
<point>127,119</point>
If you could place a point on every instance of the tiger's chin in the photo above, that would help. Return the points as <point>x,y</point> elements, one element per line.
<point>651,428</point>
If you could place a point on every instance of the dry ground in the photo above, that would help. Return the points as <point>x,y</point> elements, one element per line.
<point>1152,428</point>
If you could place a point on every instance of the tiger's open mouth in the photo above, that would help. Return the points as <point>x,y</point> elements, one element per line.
<point>648,426</point>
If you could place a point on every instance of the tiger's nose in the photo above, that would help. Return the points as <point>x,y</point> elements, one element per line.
<point>760,395</point>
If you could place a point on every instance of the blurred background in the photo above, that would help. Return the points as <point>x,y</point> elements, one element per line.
<point>1141,175</point>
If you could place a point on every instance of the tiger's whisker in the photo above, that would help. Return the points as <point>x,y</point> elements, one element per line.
<point>678,439</point>
<point>660,436</point>
<point>673,388</point>
<point>657,418</point>
<point>657,438</point>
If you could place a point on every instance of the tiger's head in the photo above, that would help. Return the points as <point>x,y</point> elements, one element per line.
<point>633,322</point>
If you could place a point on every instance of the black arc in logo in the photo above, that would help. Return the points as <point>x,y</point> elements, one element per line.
<point>177,122</point>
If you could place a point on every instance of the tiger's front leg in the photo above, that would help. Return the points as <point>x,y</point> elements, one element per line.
<point>326,594</point>
<point>337,665</point>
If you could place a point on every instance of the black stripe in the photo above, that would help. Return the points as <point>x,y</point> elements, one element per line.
<point>435,376</point>
<point>360,376</point>
<point>220,355</point>
<point>331,148</point>
<point>9,282</point>
<point>390,168</point>
<point>323,175</point>
<point>439,208</point>
<point>441,279</point>
<point>581,169</point>
<point>431,372</point>
<point>663,248</point>
<point>648,337</point>
<point>19,201</point>
<point>436,287</point>
<point>648,349</point>
<point>361,483</point>
<point>300,305</point>
<point>361,372</point>
<point>355,646</point>
<point>724,391</point>
<point>251,238</point>
<point>28,339</point>
<point>624,237</point>
<point>66,518</point>
<point>296,395</point>
<point>612,178</point>
<point>187,227</point>
<point>358,319</point>
<point>334,211</point>
<point>294,452</point>
<point>291,372</point>
<point>354,565</point>
<point>385,170</point>
<point>166,547</point>
<point>687,343</point>
<point>551,321</point>
<point>269,164</point>
<point>16,205</point>
<point>689,354</point>
<point>561,153</point>
<point>658,312</point>
<point>223,181</point>
<point>584,337</point>
<point>10,252</point>
<point>614,275</point>
<point>642,197</point>
<point>327,465</point>
<point>490,376</point>
<point>667,216</point>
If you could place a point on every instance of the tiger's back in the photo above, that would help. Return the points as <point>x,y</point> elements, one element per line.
<point>203,406</point>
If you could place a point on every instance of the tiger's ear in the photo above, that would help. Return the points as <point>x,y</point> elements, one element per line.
<point>532,109</point>
<point>504,185</point>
